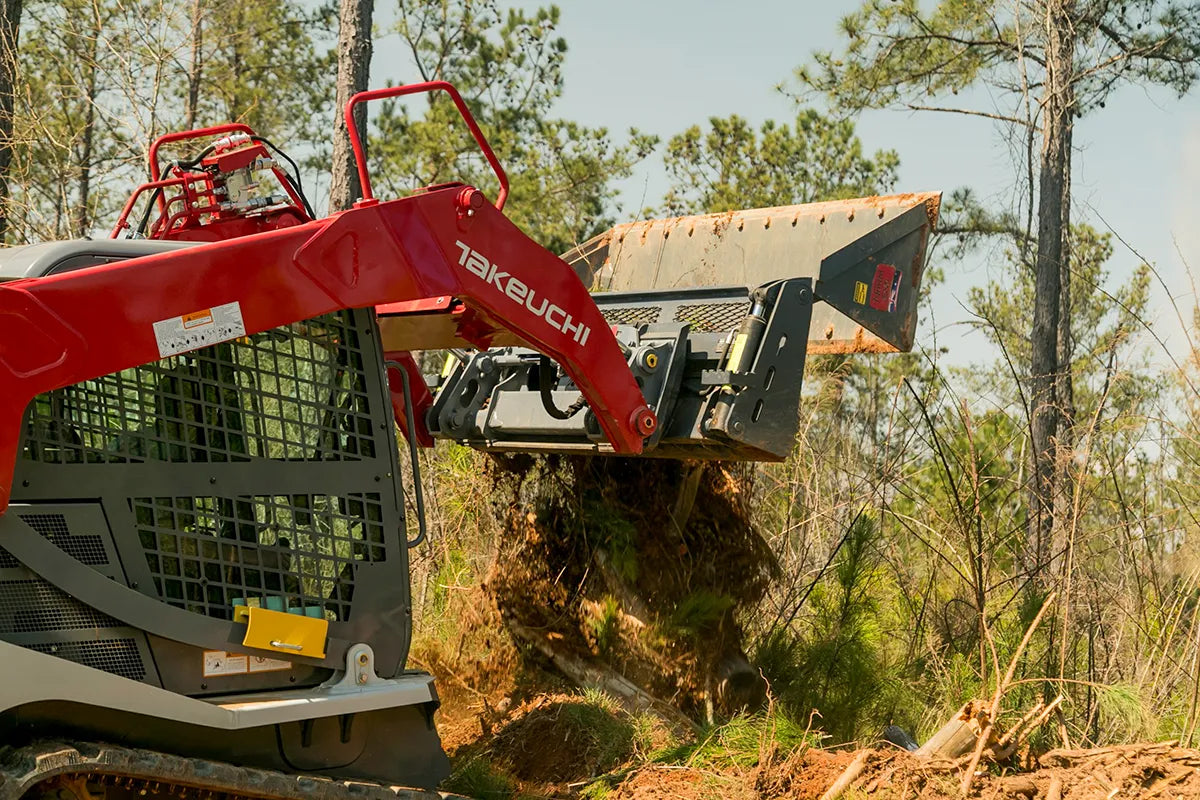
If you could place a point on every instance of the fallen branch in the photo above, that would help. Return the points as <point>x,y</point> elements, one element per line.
<point>594,676</point>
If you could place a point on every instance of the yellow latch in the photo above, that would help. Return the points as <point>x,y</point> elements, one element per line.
<point>283,632</point>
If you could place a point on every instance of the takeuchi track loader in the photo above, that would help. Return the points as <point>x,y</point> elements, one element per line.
<point>203,546</point>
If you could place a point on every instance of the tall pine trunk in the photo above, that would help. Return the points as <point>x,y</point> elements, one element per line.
<point>354,69</point>
<point>196,69</point>
<point>10,25</point>
<point>82,215</point>
<point>1050,337</point>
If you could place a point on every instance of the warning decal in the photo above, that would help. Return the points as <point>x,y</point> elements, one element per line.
<point>218,662</point>
<point>885,288</point>
<point>860,293</point>
<point>199,329</point>
<point>264,664</point>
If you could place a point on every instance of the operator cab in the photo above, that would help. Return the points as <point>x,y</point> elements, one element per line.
<point>55,258</point>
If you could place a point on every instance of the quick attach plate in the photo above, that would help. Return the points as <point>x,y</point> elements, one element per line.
<point>676,342</point>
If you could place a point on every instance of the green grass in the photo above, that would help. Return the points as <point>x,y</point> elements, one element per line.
<point>699,613</point>
<point>477,779</point>
<point>606,625</point>
<point>608,730</point>
<point>608,529</point>
<point>739,742</point>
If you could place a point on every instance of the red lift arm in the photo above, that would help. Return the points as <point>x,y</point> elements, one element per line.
<point>441,242</point>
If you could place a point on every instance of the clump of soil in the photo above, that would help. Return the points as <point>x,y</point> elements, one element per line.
<point>641,565</point>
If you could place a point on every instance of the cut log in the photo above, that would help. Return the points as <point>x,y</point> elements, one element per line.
<point>958,736</point>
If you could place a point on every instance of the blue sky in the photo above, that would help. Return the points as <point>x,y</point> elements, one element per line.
<point>662,65</point>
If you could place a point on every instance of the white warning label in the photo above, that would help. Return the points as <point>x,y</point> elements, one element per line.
<point>218,662</point>
<point>199,329</point>
<point>264,664</point>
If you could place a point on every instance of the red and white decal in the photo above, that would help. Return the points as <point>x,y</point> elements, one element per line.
<point>885,288</point>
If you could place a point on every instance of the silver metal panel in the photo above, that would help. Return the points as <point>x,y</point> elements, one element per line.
<point>35,260</point>
<point>45,678</point>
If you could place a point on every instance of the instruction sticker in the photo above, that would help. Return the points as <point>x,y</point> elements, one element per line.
<point>218,662</point>
<point>860,293</point>
<point>199,329</point>
<point>264,664</point>
<point>885,288</point>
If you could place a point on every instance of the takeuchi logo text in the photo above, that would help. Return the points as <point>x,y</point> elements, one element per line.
<point>516,290</point>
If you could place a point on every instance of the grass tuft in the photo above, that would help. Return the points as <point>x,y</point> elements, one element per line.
<point>477,778</point>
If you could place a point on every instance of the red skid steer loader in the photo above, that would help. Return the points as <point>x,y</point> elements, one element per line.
<point>203,545</point>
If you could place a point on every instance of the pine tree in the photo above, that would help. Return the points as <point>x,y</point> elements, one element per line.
<point>1055,61</point>
<point>353,75</point>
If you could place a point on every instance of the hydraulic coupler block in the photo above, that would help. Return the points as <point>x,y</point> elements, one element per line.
<point>721,367</point>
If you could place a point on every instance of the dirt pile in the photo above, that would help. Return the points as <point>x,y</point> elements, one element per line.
<point>563,739</point>
<point>586,746</point>
<point>1138,770</point>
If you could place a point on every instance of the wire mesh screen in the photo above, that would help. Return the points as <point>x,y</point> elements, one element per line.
<point>297,403</point>
<point>631,315</point>
<point>31,605</point>
<point>295,393</point>
<point>118,656</point>
<point>290,553</point>
<point>713,317</point>
<point>85,547</point>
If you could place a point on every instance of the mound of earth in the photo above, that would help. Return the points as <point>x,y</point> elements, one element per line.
<point>571,746</point>
<point>563,739</point>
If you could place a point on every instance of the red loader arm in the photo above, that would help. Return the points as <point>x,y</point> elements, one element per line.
<point>63,329</point>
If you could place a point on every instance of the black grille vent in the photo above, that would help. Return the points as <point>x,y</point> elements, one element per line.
<point>85,547</point>
<point>118,656</point>
<point>35,606</point>
<point>293,553</point>
<point>296,393</point>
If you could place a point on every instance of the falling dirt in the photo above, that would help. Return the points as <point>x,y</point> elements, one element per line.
<point>638,567</point>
